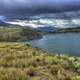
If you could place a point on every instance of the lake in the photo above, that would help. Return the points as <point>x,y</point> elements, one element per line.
<point>65,43</point>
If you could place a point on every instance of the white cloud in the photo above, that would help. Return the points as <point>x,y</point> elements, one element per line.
<point>58,23</point>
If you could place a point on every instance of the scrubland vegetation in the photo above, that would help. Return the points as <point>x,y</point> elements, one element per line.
<point>20,61</point>
<point>68,30</point>
<point>18,34</point>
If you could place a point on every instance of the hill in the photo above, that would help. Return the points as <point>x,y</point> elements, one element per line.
<point>20,61</point>
<point>2,23</point>
<point>47,29</point>
<point>66,30</point>
<point>18,34</point>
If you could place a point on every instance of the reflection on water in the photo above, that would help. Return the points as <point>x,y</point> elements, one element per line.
<point>68,43</point>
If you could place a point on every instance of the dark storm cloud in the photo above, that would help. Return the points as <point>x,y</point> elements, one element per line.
<point>32,7</point>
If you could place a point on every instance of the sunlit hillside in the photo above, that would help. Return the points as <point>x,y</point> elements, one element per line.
<point>20,61</point>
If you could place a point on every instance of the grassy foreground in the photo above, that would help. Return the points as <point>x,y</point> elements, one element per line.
<point>22,62</point>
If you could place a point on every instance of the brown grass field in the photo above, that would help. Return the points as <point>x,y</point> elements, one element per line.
<point>20,61</point>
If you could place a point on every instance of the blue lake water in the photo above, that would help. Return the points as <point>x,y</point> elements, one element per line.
<point>66,43</point>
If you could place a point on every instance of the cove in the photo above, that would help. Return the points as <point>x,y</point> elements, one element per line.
<point>64,43</point>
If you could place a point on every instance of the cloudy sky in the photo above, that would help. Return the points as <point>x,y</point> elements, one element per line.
<point>32,7</point>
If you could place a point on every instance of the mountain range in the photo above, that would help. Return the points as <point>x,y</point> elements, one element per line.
<point>47,29</point>
<point>2,23</point>
<point>45,22</point>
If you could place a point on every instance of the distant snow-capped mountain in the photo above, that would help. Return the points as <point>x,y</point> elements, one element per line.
<point>2,23</point>
<point>57,20</point>
<point>57,23</point>
<point>5,24</point>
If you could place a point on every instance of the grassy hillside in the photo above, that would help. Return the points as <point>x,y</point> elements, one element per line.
<point>18,34</point>
<point>66,30</point>
<point>22,62</point>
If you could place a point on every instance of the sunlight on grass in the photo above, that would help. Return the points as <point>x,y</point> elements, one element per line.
<point>20,61</point>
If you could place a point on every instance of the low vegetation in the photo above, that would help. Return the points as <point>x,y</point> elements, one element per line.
<point>18,34</point>
<point>20,61</point>
<point>66,30</point>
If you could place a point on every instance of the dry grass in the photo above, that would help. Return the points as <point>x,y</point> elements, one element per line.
<point>22,62</point>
